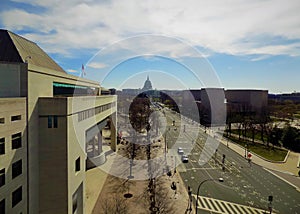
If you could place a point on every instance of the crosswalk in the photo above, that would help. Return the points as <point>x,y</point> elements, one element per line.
<point>225,207</point>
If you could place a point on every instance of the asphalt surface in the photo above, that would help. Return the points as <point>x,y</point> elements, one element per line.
<point>243,184</point>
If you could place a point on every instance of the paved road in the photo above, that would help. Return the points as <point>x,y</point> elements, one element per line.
<point>244,184</point>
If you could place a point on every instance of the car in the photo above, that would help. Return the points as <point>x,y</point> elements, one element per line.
<point>184,158</point>
<point>180,151</point>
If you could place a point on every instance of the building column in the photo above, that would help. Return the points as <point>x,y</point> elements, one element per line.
<point>113,131</point>
<point>94,146</point>
<point>100,142</point>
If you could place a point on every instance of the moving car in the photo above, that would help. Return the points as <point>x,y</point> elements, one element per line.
<point>184,158</point>
<point>180,151</point>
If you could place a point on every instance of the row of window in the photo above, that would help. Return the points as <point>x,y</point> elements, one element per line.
<point>16,142</point>
<point>16,198</point>
<point>91,112</point>
<point>12,118</point>
<point>16,171</point>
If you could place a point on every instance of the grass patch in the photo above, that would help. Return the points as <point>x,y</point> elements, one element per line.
<point>269,153</point>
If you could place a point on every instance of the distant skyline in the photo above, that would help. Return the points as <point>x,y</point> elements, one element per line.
<point>248,44</point>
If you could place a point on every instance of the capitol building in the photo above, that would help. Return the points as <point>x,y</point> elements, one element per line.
<point>147,85</point>
<point>134,92</point>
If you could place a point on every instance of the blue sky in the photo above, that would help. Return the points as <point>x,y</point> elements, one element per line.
<point>241,43</point>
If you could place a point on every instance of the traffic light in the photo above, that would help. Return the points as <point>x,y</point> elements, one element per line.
<point>270,198</point>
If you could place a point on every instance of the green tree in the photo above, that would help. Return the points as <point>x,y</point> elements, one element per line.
<point>291,138</point>
<point>139,112</point>
<point>275,136</point>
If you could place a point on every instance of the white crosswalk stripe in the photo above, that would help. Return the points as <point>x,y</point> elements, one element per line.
<point>225,207</point>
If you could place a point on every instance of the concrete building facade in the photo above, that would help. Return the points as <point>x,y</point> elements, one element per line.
<point>13,155</point>
<point>58,110</point>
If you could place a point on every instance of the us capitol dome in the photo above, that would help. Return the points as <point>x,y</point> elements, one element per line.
<point>147,85</point>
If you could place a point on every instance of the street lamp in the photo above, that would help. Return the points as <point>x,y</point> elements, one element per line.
<point>132,157</point>
<point>211,179</point>
<point>166,149</point>
<point>246,146</point>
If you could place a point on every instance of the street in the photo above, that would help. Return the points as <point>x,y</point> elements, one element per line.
<point>243,184</point>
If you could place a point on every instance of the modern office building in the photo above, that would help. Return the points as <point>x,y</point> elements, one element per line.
<point>50,130</point>
<point>215,103</point>
<point>251,100</point>
<point>212,106</point>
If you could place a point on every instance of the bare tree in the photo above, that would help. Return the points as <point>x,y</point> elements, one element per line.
<point>163,202</point>
<point>115,205</point>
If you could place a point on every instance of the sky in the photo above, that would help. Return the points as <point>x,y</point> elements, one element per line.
<point>179,44</point>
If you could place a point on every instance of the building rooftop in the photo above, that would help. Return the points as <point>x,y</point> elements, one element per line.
<point>14,48</point>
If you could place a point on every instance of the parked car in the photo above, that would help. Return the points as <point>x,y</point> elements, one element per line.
<point>184,158</point>
<point>180,151</point>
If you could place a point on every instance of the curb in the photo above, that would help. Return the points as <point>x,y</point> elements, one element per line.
<point>297,188</point>
<point>271,161</point>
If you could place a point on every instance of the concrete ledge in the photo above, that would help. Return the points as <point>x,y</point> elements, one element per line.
<point>96,161</point>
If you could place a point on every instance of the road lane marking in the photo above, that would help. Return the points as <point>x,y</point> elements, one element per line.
<point>200,168</point>
<point>225,207</point>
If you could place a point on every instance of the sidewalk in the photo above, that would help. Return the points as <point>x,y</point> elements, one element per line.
<point>115,189</point>
<point>287,171</point>
<point>133,196</point>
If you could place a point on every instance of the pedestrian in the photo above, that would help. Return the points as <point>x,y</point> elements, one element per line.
<point>249,158</point>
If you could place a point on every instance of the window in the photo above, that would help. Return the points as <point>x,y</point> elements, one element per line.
<point>16,117</point>
<point>16,168</point>
<point>77,165</point>
<point>55,121</point>
<point>52,122</point>
<point>2,120</point>
<point>49,121</point>
<point>16,140</point>
<point>2,146</point>
<point>2,178</point>
<point>2,206</point>
<point>16,196</point>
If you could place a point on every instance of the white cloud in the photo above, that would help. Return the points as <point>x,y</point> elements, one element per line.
<point>97,65</point>
<point>230,26</point>
<point>72,71</point>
